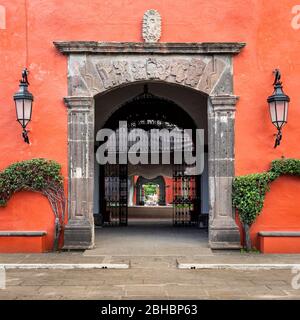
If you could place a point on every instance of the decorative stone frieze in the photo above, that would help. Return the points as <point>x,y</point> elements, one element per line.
<point>89,75</point>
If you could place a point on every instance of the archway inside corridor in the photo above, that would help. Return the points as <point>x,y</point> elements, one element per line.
<point>150,191</point>
<point>178,197</point>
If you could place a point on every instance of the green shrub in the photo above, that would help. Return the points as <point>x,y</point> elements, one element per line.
<point>38,175</point>
<point>33,175</point>
<point>249,191</point>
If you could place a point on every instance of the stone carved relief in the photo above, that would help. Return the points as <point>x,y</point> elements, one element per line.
<point>113,73</point>
<point>188,72</point>
<point>224,84</point>
<point>179,70</point>
<point>157,69</point>
<point>211,75</point>
<point>151,26</point>
<point>93,82</point>
<point>98,76</point>
<point>138,70</point>
<point>78,82</point>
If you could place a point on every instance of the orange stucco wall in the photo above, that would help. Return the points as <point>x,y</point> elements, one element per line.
<point>31,212</point>
<point>169,190</point>
<point>281,209</point>
<point>263,24</point>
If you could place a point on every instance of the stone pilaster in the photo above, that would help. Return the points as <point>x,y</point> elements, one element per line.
<point>79,231</point>
<point>223,231</point>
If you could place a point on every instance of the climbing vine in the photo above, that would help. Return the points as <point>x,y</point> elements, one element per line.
<point>249,191</point>
<point>38,175</point>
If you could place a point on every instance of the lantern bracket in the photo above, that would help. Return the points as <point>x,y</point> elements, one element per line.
<point>25,135</point>
<point>278,138</point>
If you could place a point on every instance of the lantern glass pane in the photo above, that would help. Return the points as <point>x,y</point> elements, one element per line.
<point>280,108</point>
<point>27,110</point>
<point>23,109</point>
<point>286,105</point>
<point>272,106</point>
<point>20,110</point>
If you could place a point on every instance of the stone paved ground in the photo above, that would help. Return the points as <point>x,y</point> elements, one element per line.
<point>162,281</point>
<point>153,254</point>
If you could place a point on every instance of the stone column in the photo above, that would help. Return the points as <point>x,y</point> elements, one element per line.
<point>79,231</point>
<point>223,231</point>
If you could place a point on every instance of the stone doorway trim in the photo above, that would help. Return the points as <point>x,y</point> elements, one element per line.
<point>97,67</point>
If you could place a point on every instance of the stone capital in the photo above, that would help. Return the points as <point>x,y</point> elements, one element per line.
<point>224,102</point>
<point>78,102</point>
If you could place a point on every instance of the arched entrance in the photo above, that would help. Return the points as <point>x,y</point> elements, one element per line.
<point>95,68</point>
<point>149,107</point>
<point>160,190</point>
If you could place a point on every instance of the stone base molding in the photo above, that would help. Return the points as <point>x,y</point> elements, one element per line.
<point>79,234</point>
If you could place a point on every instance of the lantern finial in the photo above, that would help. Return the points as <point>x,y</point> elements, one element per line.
<point>25,76</point>
<point>277,74</point>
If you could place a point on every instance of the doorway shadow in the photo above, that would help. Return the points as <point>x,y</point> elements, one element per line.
<point>150,238</point>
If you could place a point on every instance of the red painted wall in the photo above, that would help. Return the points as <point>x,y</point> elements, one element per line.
<point>264,25</point>
<point>281,208</point>
<point>169,190</point>
<point>27,211</point>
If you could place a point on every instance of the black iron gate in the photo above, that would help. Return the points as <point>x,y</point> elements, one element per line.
<point>115,209</point>
<point>186,198</point>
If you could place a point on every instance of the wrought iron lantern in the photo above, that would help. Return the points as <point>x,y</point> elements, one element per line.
<point>278,105</point>
<point>23,102</point>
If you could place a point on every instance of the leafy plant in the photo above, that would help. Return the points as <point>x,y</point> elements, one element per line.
<point>249,191</point>
<point>253,251</point>
<point>38,175</point>
<point>150,189</point>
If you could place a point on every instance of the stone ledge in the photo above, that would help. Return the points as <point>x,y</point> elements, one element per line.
<point>214,245</point>
<point>279,233</point>
<point>68,47</point>
<point>64,266</point>
<point>23,233</point>
<point>239,266</point>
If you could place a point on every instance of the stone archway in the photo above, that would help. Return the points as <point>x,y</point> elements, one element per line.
<point>96,67</point>
<point>159,180</point>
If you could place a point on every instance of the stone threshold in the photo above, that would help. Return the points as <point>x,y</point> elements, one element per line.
<point>64,266</point>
